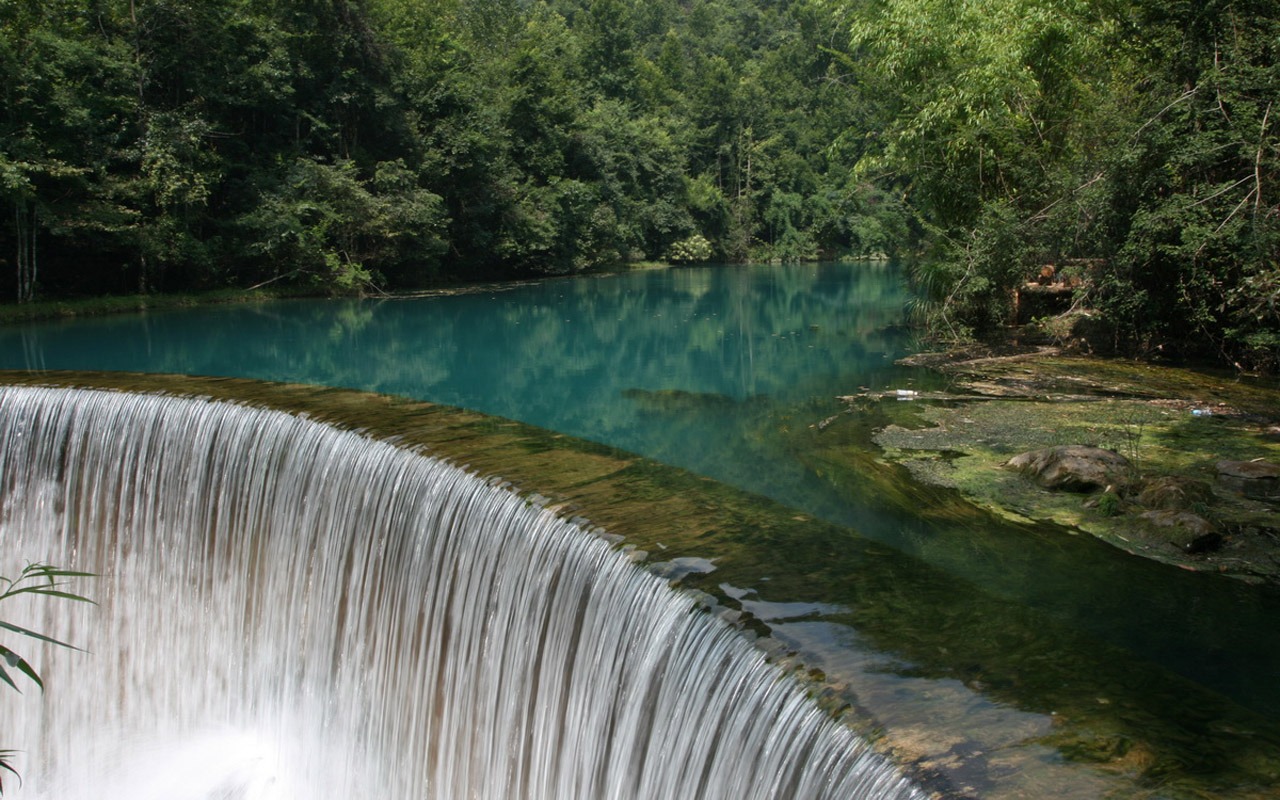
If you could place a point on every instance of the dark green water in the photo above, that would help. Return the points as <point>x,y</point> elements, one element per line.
<point>723,371</point>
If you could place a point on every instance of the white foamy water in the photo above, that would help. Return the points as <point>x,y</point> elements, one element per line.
<point>287,610</point>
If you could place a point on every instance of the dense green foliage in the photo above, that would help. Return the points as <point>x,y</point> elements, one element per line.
<point>1132,142</point>
<point>349,145</point>
<point>346,144</point>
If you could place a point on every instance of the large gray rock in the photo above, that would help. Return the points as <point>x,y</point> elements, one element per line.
<point>1256,479</point>
<point>1073,467</point>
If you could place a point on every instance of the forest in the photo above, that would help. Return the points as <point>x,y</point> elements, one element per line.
<point>1124,151</point>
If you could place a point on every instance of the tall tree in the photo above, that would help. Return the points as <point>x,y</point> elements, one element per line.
<point>1136,134</point>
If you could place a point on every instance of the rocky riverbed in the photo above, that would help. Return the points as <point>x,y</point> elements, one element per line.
<point>1172,464</point>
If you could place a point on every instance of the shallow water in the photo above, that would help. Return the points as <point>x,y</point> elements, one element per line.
<point>725,372</point>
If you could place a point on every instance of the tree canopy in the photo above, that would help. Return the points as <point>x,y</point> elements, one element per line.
<point>1135,141</point>
<point>171,144</point>
<point>357,145</point>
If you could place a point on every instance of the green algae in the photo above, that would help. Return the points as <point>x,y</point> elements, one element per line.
<point>1165,421</point>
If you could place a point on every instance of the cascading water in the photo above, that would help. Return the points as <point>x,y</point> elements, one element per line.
<point>287,610</point>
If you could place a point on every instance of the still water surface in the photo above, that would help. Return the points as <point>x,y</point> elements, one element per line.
<point>716,370</point>
<point>683,365</point>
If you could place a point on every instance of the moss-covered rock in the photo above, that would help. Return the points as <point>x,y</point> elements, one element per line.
<point>1175,493</point>
<point>1171,465</point>
<point>1073,467</point>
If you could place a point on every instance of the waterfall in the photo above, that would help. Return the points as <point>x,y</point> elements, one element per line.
<point>289,610</point>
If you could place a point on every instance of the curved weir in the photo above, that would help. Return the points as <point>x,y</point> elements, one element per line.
<point>291,610</point>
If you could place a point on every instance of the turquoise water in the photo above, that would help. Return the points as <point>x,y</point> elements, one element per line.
<point>563,354</point>
<point>684,365</point>
<point>715,370</point>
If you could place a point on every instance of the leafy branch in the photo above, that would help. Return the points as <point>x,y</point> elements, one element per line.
<point>35,579</point>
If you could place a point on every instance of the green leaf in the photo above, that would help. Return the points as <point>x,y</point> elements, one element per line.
<point>57,593</point>
<point>5,766</point>
<point>48,583</point>
<point>9,626</point>
<point>4,676</point>
<point>19,663</point>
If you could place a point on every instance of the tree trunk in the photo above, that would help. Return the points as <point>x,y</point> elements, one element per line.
<point>21,260</point>
<point>24,223</point>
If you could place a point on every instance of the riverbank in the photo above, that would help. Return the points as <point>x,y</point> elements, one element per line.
<point>134,303</point>
<point>1196,469</point>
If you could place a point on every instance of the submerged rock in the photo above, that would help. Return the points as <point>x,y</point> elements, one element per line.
<point>679,568</point>
<point>1073,468</point>
<point>678,399</point>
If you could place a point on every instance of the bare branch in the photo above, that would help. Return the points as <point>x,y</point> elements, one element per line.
<point>1257,161</point>
<point>1184,96</point>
